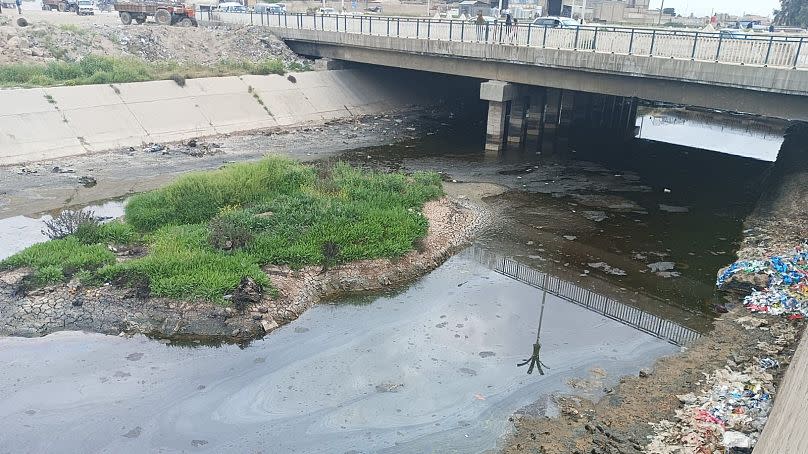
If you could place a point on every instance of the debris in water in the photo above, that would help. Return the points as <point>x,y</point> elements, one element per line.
<point>570,237</point>
<point>389,387</point>
<point>661,266</point>
<point>673,208</point>
<point>596,216</point>
<point>608,269</point>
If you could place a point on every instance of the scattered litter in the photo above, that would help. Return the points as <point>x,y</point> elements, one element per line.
<point>154,148</point>
<point>666,191</point>
<point>729,414</point>
<point>787,277</point>
<point>58,169</point>
<point>606,268</point>
<point>769,363</point>
<point>570,237</point>
<point>87,182</point>
<point>479,396</point>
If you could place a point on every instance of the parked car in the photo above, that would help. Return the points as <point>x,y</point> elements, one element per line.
<point>556,22</point>
<point>732,33</point>
<point>271,8</point>
<point>85,8</point>
<point>232,7</point>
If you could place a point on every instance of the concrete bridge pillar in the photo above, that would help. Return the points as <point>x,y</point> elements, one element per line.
<point>535,114</point>
<point>517,124</point>
<point>499,96</point>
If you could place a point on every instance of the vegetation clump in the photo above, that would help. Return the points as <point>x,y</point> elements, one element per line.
<point>95,69</point>
<point>208,232</point>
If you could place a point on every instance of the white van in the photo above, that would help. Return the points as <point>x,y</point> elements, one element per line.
<point>232,7</point>
<point>271,8</point>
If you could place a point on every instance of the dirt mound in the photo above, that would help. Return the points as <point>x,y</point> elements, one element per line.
<point>44,41</point>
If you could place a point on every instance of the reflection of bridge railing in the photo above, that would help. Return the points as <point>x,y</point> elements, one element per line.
<point>748,49</point>
<point>631,316</point>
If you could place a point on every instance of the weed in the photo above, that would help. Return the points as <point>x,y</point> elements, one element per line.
<point>50,99</point>
<point>68,223</point>
<point>94,69</point>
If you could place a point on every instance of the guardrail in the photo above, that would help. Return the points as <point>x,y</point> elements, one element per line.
<point>746,49</point>
<point>646,322</point>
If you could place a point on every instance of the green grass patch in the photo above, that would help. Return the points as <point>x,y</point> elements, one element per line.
<point>207,231</point>
<point>55,260</point>
<point>94,69</point>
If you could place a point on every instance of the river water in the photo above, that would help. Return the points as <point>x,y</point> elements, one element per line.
<point>432,367</point>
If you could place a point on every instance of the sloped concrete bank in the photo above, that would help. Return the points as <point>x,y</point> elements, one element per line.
<point>49,123</point>
<point>111,309</point>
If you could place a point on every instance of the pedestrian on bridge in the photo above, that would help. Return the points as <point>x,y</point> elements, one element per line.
<point>508,26</point>
<point>480,24</point>
<point>19,7</point>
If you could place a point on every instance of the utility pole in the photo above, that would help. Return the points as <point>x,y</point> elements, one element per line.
<point>583,12</point>
<point>659,21</point>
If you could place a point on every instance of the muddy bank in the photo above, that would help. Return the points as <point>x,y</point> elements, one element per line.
<point>111,309</point>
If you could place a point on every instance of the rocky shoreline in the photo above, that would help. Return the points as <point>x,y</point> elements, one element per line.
<point>114,310</point>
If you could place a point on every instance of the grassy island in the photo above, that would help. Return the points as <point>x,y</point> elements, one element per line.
<point>200,236</point>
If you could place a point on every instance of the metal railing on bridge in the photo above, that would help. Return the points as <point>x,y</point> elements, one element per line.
<point>745,49</point>
<point>656,326</point>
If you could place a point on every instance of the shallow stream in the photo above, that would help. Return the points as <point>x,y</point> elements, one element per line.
<point>432,367</point>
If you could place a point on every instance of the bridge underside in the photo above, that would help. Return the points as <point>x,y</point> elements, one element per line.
<point>787,106</point>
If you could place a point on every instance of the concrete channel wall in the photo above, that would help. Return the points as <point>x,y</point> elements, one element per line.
<point>47,123</point>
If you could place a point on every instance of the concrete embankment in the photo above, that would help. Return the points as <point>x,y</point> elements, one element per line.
<point>49,123</point>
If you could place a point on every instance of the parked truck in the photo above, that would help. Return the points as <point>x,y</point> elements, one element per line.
<point>60,5</point>
<point>164,12</point>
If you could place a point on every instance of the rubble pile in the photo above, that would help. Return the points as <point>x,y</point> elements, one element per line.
<point>43,42</point>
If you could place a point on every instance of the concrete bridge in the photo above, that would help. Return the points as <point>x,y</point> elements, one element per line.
<point>543,78</point>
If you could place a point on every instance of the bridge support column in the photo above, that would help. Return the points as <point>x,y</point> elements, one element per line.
<point>552,114</point>
<point>499,96</point>
<point>535,114</point>
<point>518,121</point>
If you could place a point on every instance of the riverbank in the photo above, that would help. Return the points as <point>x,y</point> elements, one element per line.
<point>658,411</point>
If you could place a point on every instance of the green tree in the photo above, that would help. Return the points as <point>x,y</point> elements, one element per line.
<point>792,13</point>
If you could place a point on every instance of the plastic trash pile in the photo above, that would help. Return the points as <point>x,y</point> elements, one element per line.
<point>729,415</point>
<point>787,292</point>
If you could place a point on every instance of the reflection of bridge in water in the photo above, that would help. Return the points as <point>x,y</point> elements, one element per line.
<point>649,323</point>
